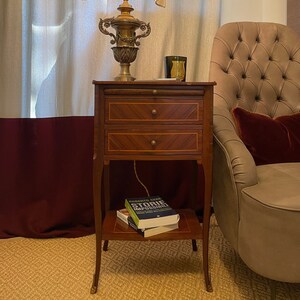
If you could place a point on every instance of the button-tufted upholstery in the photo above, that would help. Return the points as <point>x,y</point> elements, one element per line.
<point>259,67</point>
<point>256,67</point>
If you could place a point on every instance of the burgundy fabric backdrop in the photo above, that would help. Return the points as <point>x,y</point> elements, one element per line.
<point>46,178</point>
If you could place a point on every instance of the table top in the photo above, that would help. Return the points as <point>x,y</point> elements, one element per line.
<point>154,82</point>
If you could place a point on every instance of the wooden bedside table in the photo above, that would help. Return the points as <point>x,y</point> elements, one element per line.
<point>151,120</point>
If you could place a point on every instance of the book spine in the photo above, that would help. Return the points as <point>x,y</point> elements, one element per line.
<point>122,217</point>
<point>132,213</point>
<point>133,226</point>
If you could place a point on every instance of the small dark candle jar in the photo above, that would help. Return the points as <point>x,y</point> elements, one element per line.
<point>175,67</point>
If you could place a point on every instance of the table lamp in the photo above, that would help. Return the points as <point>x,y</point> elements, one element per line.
<point>126,40</point>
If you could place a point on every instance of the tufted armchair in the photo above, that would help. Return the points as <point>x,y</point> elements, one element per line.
<point>256,201</point>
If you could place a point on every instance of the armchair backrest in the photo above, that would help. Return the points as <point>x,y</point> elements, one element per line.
<point>257,67</point>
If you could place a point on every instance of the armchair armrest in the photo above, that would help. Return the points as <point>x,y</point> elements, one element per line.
<point>239,160</point>
<point>233,170</point>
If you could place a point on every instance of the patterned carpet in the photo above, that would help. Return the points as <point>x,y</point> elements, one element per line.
<point>63,268</point>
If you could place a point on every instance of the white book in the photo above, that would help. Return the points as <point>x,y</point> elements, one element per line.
<point>123,215</point>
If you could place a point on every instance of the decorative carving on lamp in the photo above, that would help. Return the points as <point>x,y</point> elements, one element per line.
<point>125,38</point>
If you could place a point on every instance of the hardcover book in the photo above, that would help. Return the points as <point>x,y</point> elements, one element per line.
<point>151,211</point>
<point>147,232</point>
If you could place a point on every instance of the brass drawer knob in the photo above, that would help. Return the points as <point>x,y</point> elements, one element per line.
<point>154,112</point>
<point>153,143</point>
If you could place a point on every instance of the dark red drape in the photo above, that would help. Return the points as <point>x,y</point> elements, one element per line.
<point>46,178</point>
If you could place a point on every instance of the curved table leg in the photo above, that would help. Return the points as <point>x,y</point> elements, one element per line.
<point>95,283</point>
<point>205,256</point>
<point>206,222</point>
<point>97,185</point>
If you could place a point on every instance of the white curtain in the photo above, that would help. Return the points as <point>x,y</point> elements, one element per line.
<point>52,50</point>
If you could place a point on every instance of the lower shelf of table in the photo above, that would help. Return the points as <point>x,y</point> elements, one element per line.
<point>188,228</point>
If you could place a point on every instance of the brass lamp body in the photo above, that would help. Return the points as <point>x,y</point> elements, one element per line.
<point>125,39</point>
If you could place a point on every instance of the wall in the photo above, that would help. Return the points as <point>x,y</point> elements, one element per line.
<point>293,14</point>
<point>254,10</point>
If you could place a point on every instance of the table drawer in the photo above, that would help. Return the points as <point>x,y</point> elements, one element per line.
<point>152,111</point>
<point>155,142</point>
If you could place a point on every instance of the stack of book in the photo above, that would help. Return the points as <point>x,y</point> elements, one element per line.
<point>149,215</point>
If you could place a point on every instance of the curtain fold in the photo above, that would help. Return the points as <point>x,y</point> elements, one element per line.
<point>46,177</point>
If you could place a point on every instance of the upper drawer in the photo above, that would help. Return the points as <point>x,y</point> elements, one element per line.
<point>154,111</point>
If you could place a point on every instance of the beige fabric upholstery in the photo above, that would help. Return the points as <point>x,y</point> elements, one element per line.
<point>256,67</point>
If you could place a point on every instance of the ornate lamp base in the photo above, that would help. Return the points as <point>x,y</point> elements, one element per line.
<point>125,56</point>
<point>125,38</point>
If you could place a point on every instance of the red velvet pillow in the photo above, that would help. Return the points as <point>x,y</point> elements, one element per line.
<point>269,140</point>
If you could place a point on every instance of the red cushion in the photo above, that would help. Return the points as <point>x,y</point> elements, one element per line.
<point>269,140</point>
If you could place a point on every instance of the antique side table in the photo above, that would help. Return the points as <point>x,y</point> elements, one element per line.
<point>151,120</point>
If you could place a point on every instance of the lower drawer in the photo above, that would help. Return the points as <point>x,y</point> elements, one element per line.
<point>156,142</point>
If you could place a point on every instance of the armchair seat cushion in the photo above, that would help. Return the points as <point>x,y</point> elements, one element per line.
<point>270,208</point>
<point>278,186</point>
